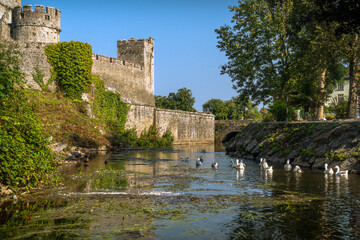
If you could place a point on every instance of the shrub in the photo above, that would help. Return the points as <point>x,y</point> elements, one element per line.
<point>72,63</point>
<point>330,117</point>
<point>278,110</point>
<point>25,158</point>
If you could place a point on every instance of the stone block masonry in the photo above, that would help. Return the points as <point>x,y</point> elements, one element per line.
<point>186,127</point>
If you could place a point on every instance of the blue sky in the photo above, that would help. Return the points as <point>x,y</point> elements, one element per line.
<point>185,41</point>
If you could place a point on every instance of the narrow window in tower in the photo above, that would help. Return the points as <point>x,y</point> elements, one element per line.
<point>47,17</point>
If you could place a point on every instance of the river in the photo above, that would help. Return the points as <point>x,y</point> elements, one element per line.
<point>163,195</point>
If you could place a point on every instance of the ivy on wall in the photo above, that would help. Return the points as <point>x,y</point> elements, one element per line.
<point>109,107</point>
<point>72,63</point>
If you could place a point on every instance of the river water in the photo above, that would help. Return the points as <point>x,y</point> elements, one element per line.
<point>163,195</point>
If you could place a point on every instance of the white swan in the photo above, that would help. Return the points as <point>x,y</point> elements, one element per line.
<point>297,169</point>
<point>269,169</point>
<point>340,173</point>
<point>288,166</point>
<point>198,162</point>
<point>240,165</point>
<point>328,170</point>
<point>263,164</point>
<point>214,165</point>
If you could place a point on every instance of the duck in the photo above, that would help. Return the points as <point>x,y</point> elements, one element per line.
<point>201,159</point>
<point>328,170</point>
<point>198,162</point>
<point>297,169</point>
<point>340,173</point>
<point>288,166</point>
<point>214,165</point>
<point>240,165</point>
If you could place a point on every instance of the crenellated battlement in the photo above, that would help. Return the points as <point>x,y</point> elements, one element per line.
<point>109,60</point>
<point>50,18</point>
<point>135,50</point>
<point>40,25</point>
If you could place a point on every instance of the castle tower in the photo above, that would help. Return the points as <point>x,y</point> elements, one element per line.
<point>141,52</point>
<point>36,26</point>
<point>6,7</point>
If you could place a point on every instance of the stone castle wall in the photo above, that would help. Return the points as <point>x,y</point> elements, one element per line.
<point>33,55</point>
<point>126,78</point>
<point>186,127</point>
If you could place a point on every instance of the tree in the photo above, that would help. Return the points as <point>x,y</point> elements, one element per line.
<point>317,61</point>
<point>258,49</point>
<point>346,15</point>
<point>218,108</point>
<point>182,100</point>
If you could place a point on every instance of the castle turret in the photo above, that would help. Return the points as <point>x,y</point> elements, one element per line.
<point>36,26</point>
<point>139,51</point>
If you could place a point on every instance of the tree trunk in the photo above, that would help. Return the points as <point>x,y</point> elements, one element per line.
<point>353,71</point>
<point>320,110</point>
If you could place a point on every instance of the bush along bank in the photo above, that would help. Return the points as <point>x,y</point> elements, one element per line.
<point>305,144</point>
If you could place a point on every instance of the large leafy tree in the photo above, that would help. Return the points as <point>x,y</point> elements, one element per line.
<point>258,48</point>
<point>346,15</point>
<point>182,100</point>
<point>317,65</point>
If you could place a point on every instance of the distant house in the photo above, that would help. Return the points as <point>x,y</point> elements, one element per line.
<point>340,94</point>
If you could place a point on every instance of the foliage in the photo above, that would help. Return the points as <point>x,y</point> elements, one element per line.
<point>25,158</point>
<point>268,117</point>
<point>271,49</point>
<point>222,110</point>
<point>340,109</point>
<point>149,138</point>
<point>232,109</point>
<point>278,110</point>
<point>10,74</point>
<point>72,63</point>
<point>38,77</point>
<point>330,117</point>
<point>258,49</point>
<point>66,120</point>
<point>109,107</point>
<point>182,100</point>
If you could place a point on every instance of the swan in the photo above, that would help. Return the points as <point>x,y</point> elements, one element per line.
<point>328,170</point>
<point>288,166</point>
<point>297,169</point>
<point>198,162</point>
<point>214,165</point>
<point>269,169</point>
<point>340,173</point>
<point>263,164</point>
<point>240,165</point>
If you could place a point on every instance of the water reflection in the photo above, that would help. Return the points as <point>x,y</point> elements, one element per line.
<point>143,193</point>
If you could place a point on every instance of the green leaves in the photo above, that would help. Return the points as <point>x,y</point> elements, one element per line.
<point>109,107</point>
<point>182,100</point>
<point>25,158</point>
<point>72,64</point>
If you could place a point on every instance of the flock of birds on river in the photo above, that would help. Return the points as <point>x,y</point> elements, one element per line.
<point>239,165</point>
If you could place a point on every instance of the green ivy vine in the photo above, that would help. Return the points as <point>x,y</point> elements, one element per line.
<point>72,64</point>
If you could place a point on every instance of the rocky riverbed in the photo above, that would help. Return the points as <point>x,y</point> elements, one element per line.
<point>307,144</point>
